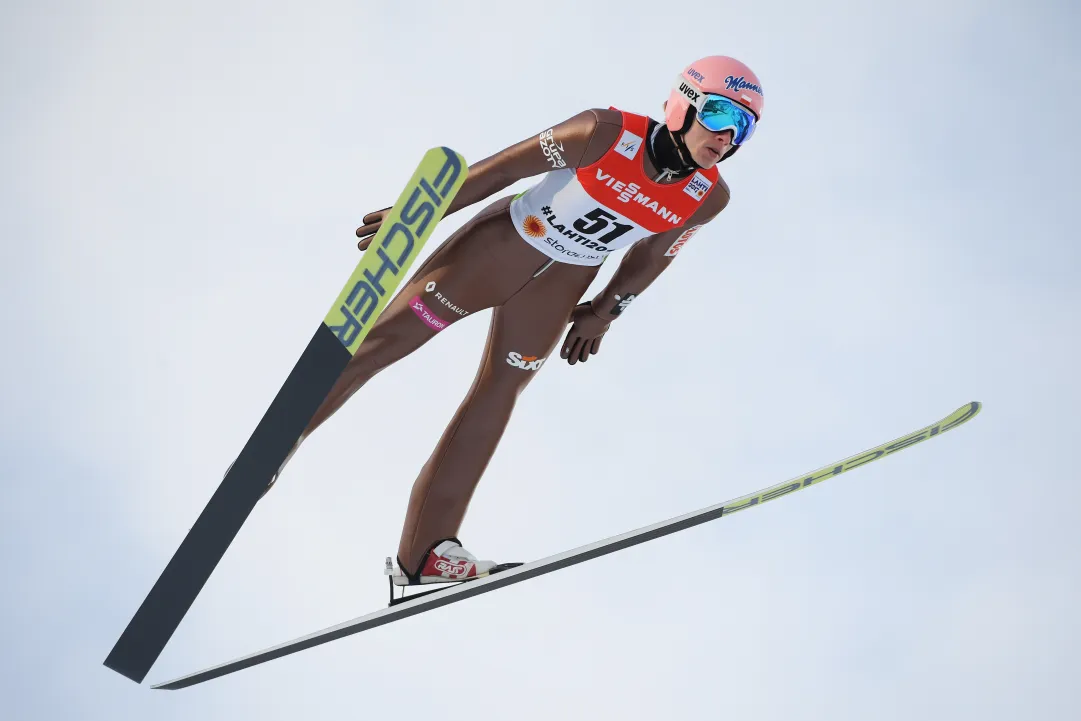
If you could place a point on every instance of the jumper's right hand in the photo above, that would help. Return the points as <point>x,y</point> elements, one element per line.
<point>585,336</point>
<point>372,222</point>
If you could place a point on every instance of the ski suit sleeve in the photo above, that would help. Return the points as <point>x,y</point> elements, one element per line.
<point>577,141</point>
<point>641,265</point>
<point>648,258</point>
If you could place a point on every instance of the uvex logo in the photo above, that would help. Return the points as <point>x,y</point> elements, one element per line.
<point>525,362</point>
<point>688,90</point>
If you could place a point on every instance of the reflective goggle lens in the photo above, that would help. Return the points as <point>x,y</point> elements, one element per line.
<point>719,113</point>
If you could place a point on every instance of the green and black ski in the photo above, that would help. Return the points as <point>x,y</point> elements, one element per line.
<point>401,237</point>
<point>420,603</point>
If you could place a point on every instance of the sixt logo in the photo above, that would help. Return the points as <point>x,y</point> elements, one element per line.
<point>697,75</point>
<point>689,91</point>
<point>733,83</point>
<point>525,362</point>
<point>415,217</point>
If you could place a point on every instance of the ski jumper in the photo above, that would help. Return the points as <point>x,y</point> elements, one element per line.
<point>530,257</point>
<point>581,215</point>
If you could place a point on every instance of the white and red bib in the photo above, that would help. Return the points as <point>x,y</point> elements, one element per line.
<point>579,216</point>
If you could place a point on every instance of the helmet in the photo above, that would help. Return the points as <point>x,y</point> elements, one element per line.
<point>718,75</point>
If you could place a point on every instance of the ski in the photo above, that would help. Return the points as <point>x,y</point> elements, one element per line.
<point>400,239</point>
<point>404,608</point>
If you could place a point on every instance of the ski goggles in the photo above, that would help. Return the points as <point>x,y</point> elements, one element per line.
<point>717,113</point>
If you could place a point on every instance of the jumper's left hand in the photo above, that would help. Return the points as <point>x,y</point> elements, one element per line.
<point>584,337</point>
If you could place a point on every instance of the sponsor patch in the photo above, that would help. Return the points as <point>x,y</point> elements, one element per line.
<point>444,300</point>
<point>630,191</point>
<point>622,303</point>
<point>681,241</point>
<point>551,149</point>
<point>737,84</point>
<point>525,362</point>
<point>534,227</point>
<point>453,569</point>
<point>628,145</point>
<point>690,93</point>
<point>425,314</point>
<point>698,186</point>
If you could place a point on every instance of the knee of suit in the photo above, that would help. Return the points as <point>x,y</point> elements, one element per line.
<point>513,372</point>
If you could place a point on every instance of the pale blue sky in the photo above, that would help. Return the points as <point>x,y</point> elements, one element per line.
<point>181,184</point>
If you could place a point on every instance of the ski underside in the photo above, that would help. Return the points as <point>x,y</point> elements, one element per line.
<point>421,602</point>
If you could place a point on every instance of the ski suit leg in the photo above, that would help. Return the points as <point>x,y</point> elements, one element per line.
<point>524,331</point>
<point>476,268</point>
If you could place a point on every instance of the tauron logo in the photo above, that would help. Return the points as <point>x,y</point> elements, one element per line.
<point>425,314</point>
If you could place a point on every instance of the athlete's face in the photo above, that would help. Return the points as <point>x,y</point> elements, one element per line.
<point>707,148</point>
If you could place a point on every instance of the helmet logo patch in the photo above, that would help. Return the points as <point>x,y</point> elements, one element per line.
<point>734,83</point>
<point>689,92</point>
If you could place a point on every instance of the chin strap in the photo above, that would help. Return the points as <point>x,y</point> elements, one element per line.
<point>679,152</point>
<point>663,157</point>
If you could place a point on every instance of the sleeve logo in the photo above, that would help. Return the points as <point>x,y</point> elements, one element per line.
<point>552,149</point>
<point>681,241</point>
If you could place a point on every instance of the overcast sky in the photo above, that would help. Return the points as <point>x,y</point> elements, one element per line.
<point>180,187</point>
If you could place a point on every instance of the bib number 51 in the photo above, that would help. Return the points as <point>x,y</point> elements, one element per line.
<point>601,219</point>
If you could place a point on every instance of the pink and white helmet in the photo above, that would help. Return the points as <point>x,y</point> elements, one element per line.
<point>719,75</point>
